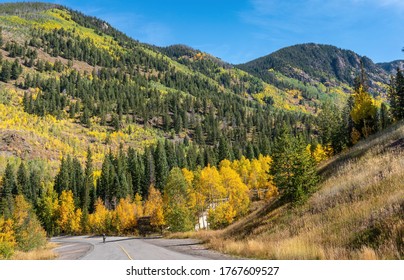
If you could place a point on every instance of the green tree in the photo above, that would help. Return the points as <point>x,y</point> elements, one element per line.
<point>5,74</point>
<point>177,214</point>
<point>87,194</point>
<point>396,95</point>
<point>224,150</point>
<point>294,169</point>
<point>1,37</point>
<point>16,70</point>
<point>23,181</point>
<point>8,188</point>
<point>160,159</point>
<point>47,211</point>
<point>149,172</point>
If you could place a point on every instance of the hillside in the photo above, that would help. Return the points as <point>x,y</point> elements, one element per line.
<point>391,67</point>
<point>357,212</point>
<point>106,88</point>
<point>317,64</point>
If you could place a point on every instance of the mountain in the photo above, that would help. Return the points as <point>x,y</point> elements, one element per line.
<point>315,63</point>
<point>391,67</point>
<point>110,89</point>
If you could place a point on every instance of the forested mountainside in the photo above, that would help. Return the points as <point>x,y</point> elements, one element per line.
<point>98,130</point>
<point>316,63</point>
<point>391,67</point>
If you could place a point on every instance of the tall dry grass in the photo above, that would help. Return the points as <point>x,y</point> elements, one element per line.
<point>357,213</point>
<point>45,253</point>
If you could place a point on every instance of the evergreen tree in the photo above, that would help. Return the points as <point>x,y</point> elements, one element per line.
<point>6,192</point>
<point>171,154</point>
<point>135,170</point>
<point>224,150</point>
<point>124,183</point>
<point>62,179</point>
<point>104,182</point>
<point>23,181</point>
<point>294,169</point>
<point>396,95</point>
<point>1,37</point>
<point>87,193</point>
<point>384,118</point>
<point>77,181</point>
<point>5,74</point>
<point>161,164</point>
<point>149,172</point>
<point>85,118</point>
<point>16,70</point>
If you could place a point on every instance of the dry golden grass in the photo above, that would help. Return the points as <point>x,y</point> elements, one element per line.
<point>45,253</point>
<point>357,213</point>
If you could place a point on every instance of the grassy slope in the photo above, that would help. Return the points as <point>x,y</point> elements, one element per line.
<point>357,213</point>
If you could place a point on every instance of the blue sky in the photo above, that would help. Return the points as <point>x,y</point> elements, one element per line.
<point>239,31</point>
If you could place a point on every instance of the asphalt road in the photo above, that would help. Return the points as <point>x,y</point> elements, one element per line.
<point>126,248</point>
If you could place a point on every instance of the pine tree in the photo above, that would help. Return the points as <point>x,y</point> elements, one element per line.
<point>161,166</point>
<point>23,181</point>
<point>87,193</point>
<point>1,37</point>
<point>7,190</point>
<point>124,184</point>
<point>105,185</point>
<point>384,117</point>
<point>224,150</point>
<point>149,172</point>
<point>294,170</point>
<point>35,185</point>
<point>135,168</point>
<point>62,179</point>
<point>16,70</point>
<point>396,95</point>
<point>5,74</point>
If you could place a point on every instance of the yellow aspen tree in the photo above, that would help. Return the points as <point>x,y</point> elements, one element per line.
<point>139,205</point>
<point>237,192</point>
<point>65,211</point>
<point>7,238</point>
<point>211,184</point>
<point>224,163</point>
<point>75,225</point>
<point>125,216</point>
<point>196,198</point>
<point>221,216</point>
<point>29,233</point>
<point>363,112</point>
<point>319,153</point>
<point>99,221</point>
<point>153,207</point>
<point>242,167</point>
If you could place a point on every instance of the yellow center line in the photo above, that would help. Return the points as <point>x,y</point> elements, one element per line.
<point>127,254</point>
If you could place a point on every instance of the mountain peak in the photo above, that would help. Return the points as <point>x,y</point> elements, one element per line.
<point>314,62</point>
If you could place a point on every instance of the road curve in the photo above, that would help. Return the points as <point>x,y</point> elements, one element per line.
<point>129,248</point>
